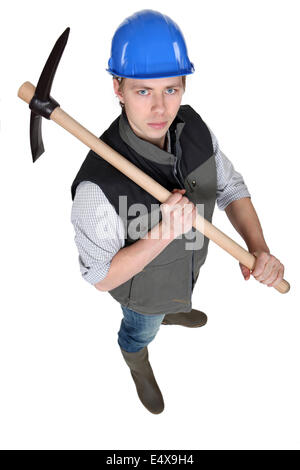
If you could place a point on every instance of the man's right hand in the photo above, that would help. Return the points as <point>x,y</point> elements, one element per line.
<point>178,214</point>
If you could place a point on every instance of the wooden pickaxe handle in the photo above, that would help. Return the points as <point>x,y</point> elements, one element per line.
<point>59,116</point>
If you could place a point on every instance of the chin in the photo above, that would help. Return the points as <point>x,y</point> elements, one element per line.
<point>155,134</point>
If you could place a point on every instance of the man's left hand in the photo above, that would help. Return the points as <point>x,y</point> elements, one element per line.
<point>267,269</point>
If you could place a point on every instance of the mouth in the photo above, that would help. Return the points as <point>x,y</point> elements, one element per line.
<point>158,125</point>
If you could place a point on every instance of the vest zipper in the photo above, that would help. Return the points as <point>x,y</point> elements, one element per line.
<point>193,281</point>
<point>175,150</point>
<point>178,153</point>
<point>177,162</point>
<point>175,174</point>
<point>175,171</point>
<point>179,171</point>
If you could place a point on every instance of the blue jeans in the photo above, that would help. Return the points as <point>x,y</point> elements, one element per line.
<point>137,329</point>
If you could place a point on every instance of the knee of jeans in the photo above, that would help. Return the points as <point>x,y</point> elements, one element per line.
<point>148,335</point>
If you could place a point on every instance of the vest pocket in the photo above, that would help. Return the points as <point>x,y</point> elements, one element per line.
<point>162,286</point>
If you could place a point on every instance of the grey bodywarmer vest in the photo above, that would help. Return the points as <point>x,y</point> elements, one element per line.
<point>166,284</point>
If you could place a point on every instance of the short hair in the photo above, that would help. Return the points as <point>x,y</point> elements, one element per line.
<point>121,81</point>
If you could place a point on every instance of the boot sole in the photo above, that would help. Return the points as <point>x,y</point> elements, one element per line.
<point>179,324</point>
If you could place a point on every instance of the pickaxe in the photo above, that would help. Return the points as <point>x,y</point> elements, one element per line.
<point>42,104</point>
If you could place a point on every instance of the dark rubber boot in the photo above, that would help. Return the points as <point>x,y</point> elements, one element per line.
<point>192,319</point>
<point>142,374</point>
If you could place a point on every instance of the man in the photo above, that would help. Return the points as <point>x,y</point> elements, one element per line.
<point>144,262</point>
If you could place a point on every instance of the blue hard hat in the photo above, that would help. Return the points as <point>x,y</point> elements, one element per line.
<point>149,44</point>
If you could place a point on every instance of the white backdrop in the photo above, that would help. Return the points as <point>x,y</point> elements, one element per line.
<point>233,384</point>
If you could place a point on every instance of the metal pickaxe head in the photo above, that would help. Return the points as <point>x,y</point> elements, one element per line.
<point>42,104</point>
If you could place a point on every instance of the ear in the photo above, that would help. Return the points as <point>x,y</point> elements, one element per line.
<point>116,89</point>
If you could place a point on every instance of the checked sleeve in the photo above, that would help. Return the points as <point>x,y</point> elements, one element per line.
<point>99,231</point>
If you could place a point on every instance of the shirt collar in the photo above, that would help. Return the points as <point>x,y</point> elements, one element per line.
<point>147,149</point>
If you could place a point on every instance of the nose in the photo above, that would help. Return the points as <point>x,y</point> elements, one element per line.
<point>158,104</point>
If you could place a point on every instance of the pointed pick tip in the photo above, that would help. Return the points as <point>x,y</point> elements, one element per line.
<point>37,153</point>
<point>66,31</point>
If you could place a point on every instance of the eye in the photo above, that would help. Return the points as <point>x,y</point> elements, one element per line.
<point>142,93</point>
<point>171,89</point>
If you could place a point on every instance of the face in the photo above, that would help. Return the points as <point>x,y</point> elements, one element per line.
<point>152,101</point>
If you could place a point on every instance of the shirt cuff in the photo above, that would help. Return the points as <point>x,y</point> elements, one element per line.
<point>95,273</point>
<point>224,202</point>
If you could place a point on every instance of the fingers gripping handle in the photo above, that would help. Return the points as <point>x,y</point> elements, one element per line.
<point>26,92</point>
<point>233,248</point>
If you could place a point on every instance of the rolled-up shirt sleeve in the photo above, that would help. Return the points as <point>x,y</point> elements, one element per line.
<point>230,183</point>
<point>99,231</point>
